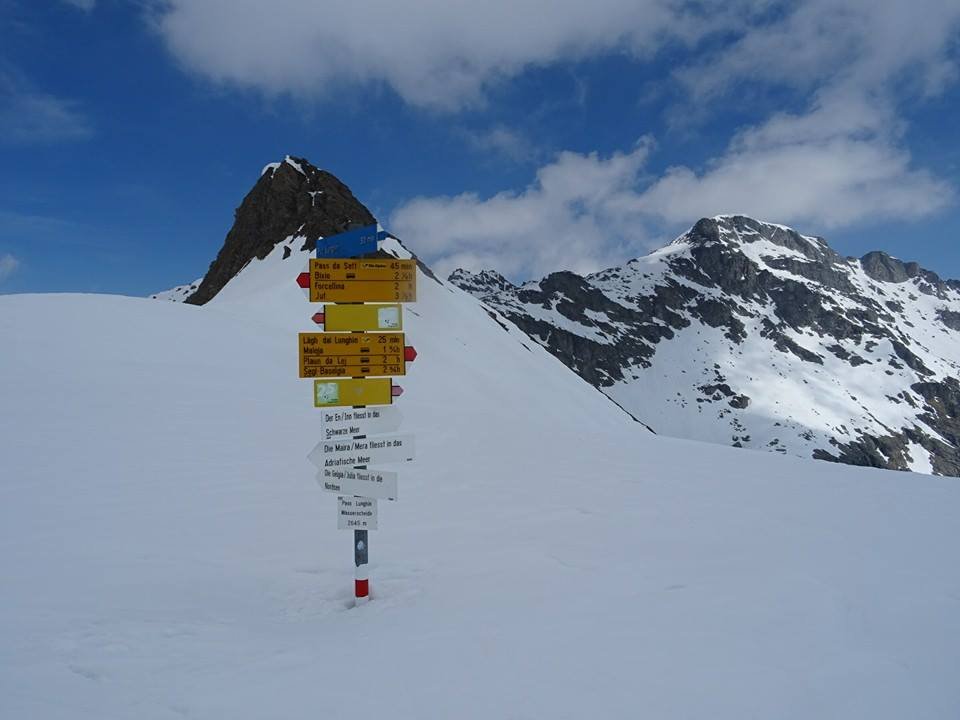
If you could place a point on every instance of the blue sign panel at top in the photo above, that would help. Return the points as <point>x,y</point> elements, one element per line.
<point>361,241</point>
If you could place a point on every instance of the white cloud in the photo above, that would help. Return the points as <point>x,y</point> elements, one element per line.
<point>28,116</point>
<point>503,142</point>
<point>829,168</point>
<point>863,44</point>
<point>842,160</point>
<point>839,162</point>
<point>834,166</point>
<point>435,53</point>
<point>8,266</point>
<point>850,65</point>
<point>86,5</point>
<point>578,214</point>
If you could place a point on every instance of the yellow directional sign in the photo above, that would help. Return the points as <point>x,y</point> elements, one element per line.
<point>347,318</point>
<point>345,393</point>
<point>341,280</point>
<point>351,354</point>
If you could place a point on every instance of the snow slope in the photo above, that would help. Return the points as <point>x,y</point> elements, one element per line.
<point>166,553</point>
<point>179,293</point>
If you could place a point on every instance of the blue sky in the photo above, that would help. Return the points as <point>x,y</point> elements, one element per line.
<point>520,135</point>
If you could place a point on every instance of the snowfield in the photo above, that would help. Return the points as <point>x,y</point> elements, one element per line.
<point>165,551</point>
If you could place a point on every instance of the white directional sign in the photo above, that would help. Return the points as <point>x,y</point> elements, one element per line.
<point>369,451</point>
<point>350,422</point>
<point>365,483</point>
<point>356,513</point>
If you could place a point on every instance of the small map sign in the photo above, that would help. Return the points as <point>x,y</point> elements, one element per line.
<point>364,483</point>
<point>361,241</point>
<point>368,451</point>
<point>356,513</point>
<point>351,354</point>
<point>355,318</point>
<point>340,280</point>
<point>351,422</point>
<point>346,393</point>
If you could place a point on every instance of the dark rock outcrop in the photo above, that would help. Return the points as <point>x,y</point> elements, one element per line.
<point>291,198</point>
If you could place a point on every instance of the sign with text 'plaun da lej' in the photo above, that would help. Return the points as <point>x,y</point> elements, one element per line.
<point>352,365</point>
<point>351,354</point>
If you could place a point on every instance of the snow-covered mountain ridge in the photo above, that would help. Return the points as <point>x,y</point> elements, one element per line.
<point>751,334</point>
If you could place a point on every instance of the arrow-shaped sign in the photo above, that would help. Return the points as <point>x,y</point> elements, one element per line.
<point>360,241</point>
<point>359,318</point>
<point>363,483</point>
<point>351,354</point>
<point>351,393</point>
<point>368,451</point>
<point>352,422</point>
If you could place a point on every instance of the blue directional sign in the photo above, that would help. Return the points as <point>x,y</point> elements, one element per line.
<point>361,241</point>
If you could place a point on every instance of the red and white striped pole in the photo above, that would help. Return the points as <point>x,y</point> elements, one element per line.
<point>361,576</point>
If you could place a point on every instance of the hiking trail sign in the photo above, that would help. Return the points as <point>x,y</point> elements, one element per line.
<point>352,364</point>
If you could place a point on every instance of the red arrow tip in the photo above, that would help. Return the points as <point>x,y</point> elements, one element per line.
<point>396,391</point>
<point>318,318</point>
<point>409,353</point>
<point>303,280</point>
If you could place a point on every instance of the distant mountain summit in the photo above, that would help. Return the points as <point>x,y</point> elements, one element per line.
<point>292,198</point>
<point>751,334</point>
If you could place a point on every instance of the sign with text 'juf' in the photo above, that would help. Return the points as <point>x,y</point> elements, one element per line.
<point>346,281</point>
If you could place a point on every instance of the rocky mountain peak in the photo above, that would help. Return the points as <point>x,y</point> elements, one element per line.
<point>292,198</point>
<point>751,333</point>
<point>480,283</point>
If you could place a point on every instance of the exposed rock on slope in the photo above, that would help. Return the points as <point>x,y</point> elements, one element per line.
<point>749,333</point>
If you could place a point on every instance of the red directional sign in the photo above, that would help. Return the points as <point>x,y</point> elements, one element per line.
<point>318,318</point>
<point>303,280</point>
<point>409,353</point>
<point>396,391</point>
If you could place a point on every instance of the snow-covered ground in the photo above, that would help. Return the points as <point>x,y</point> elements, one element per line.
<point>165,551</point>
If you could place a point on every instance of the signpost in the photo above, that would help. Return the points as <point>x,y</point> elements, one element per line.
<point>359,341</point>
